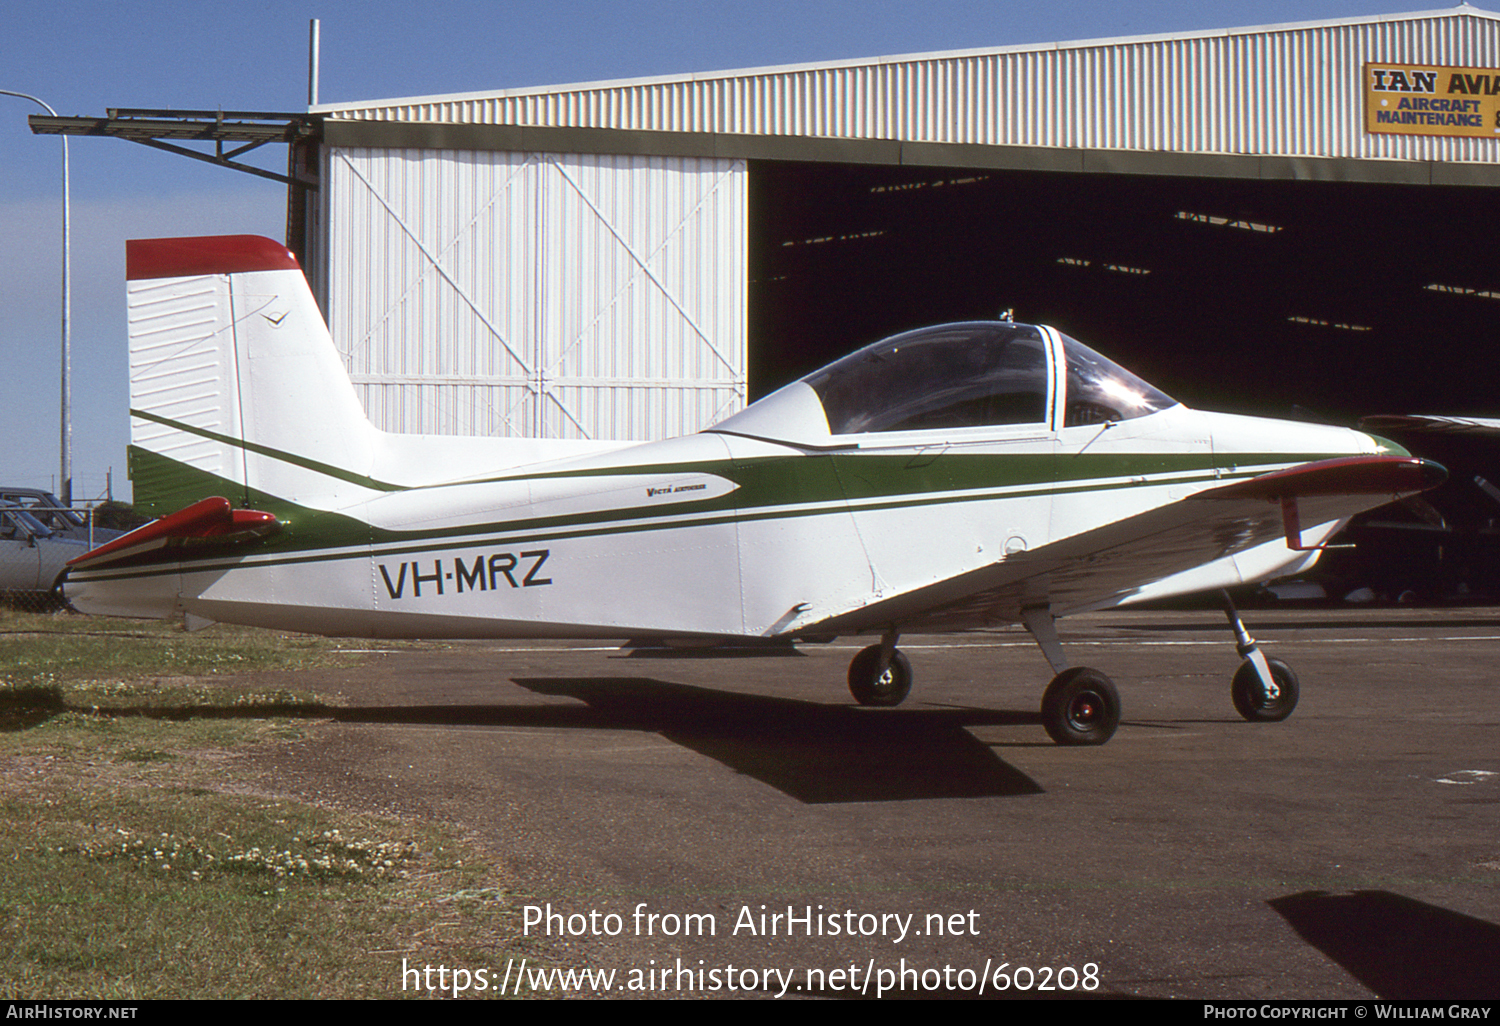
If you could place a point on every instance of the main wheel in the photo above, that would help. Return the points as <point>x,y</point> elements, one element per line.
<point>1081,707</point>
<point>871,687</point>
<point>1251,699</point>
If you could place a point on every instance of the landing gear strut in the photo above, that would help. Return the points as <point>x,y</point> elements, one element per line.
<point>1264,690</point>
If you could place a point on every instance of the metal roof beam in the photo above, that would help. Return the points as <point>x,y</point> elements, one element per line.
<point>237,115</point>
<point>808,149</point>
<point>165,128</point>
<point>153,127</point>
<point>211,158</point>
<point>236,152</point>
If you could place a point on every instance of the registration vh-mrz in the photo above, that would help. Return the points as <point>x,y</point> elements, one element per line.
<point>946,479</point>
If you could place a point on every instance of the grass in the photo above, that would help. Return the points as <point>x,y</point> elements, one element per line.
<point>140,858</point>
<point>66,647</point>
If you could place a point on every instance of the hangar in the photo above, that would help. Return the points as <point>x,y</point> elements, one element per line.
<point>1271,219</point>
<point>1232,213</point>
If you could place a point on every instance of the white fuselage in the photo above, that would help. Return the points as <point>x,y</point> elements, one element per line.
<point>722,535</point>
<point>924,481</point>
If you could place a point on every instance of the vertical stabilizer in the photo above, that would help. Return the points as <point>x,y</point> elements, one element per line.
<point>235,386</point>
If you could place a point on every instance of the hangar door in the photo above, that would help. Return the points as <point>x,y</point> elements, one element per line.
<point>538,294</point>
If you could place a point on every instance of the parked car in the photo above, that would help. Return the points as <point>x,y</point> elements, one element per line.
<point>48,509</point>
<point>33,557</point>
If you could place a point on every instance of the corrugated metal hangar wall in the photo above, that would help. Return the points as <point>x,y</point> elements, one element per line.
<point>539,295</point>
<point>1226,211</point>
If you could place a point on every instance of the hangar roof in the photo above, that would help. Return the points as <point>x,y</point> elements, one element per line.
<point>1286,92</point>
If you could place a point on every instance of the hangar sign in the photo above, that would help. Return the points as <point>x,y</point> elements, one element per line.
<point>1425,99</point>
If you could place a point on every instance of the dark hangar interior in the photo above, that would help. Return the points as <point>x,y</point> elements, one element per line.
<point>1311,299</point>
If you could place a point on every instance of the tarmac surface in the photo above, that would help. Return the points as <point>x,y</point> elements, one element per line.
<point>947,847</point>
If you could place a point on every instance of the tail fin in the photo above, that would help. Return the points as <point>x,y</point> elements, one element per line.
<point>235,386</point>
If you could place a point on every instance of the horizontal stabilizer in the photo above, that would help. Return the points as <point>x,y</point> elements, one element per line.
<point>208,522</point>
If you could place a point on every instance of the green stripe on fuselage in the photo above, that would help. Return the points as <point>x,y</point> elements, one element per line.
<point>338,473</point>
<point>768,488</point>
<point>172,485</point>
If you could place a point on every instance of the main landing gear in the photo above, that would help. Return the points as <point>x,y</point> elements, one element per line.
<point>881,674</point>
<point>1082,706</point>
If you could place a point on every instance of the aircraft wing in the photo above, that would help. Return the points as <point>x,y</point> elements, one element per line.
<point>1109,564</point>
<point>1434,424</point>
<point>212,521</point>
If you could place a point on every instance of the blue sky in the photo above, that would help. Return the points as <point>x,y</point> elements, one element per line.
<point>84,57</point>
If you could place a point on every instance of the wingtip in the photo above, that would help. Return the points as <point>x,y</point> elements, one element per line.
<point>1433,473</point>
<point>1346,475</point>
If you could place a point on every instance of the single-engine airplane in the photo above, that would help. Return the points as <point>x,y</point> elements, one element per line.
<point>949,478</point>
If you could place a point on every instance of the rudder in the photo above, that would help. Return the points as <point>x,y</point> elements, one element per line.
<point>235,385</point>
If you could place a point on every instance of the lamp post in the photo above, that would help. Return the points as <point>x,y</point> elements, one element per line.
<point>65,469</point>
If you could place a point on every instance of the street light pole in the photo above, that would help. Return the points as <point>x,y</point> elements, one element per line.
<point>65,467</point>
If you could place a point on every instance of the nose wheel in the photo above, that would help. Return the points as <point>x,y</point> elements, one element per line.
<point>1261,704</point>
<point>1263,693</point>
<point>1081,707</point>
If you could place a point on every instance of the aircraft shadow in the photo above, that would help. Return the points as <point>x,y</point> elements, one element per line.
<point>812,752</point>
<point>1400,948</point>
<point>22,708</point>
<point>718,652</point>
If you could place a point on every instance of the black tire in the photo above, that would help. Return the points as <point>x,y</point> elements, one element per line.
<point>1250,698</point>
<point>869,687</point>
<point>1081,707</point>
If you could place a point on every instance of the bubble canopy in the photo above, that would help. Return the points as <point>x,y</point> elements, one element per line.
<point>975,374</point>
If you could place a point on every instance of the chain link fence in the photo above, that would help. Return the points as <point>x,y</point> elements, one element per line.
<point>39,537</point>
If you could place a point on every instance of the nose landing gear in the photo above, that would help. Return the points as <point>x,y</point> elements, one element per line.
<point>1261,704</point>
<point>1263,690</point>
